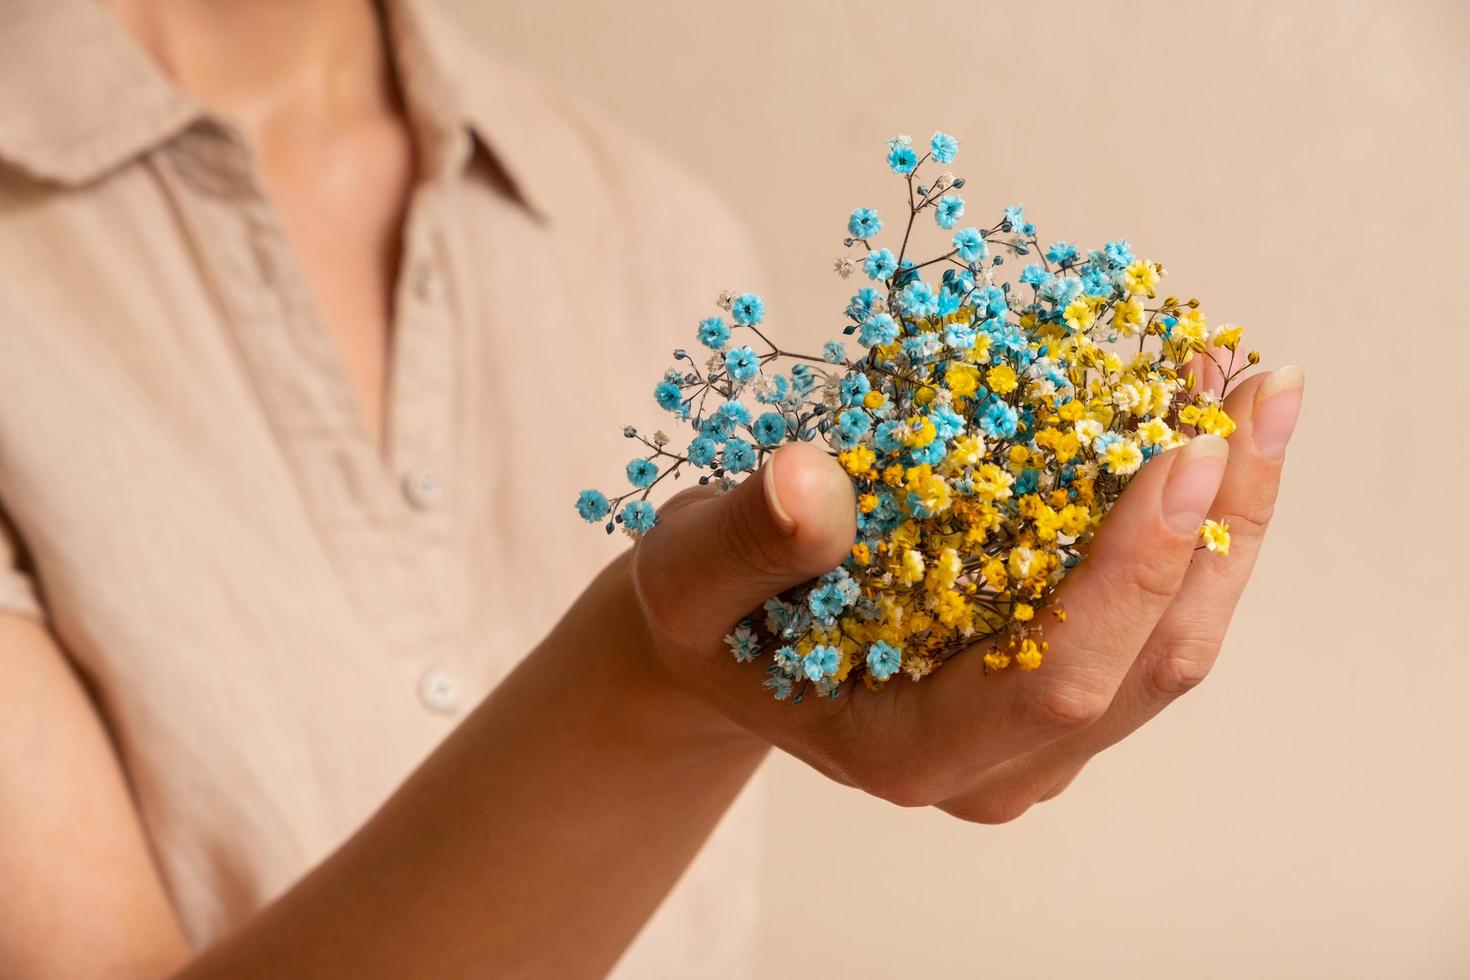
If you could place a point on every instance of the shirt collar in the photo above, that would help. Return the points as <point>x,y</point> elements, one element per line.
<point>81,99</point>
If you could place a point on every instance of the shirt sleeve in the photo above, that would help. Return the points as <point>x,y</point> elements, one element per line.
<point>18,593</point>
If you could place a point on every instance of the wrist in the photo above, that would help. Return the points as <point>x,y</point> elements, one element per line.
<point>606,642</point>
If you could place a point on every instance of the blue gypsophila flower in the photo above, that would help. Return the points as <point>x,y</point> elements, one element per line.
<point>742,364</point>
<point>834,353</point>
<point>864,223</point>
<point>949,209</point>
<point>713,333</point>
<point>1061,290</point>
<point>890,436</point>
<point>970,245</point>
<point>853,386</point>
<point>822,660</point>
<point>735,413</point>
<point>1119,254</point>
<point>748,310</point>
<point>802,378</point>
<point>769,429</point>
<point>1015,217</point>
<point>1034,275</point>
<point>902,159</point>
<point>918,299</point>
<point>777,389</point>
<point>1062,252</point>
<point>878,331</point>
<point>883,660</point>
<point>1000,421</point>
<point>702,451</point>
<point>780,686</point>
<point>788,658</point>
<point>639,516</point>
<point>738,456</point>
<point>958,336</point>
<point>668,396</point>
<point>854,423</point>
<point>592,505</point>
<point>943,146</point>
<point>881,264</point>
<point>642,473</point>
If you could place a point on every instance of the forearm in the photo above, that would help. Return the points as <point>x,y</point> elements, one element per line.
<point>535,842</point>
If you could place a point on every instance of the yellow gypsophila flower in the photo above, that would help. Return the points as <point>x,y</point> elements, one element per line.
<point>1215,536</point>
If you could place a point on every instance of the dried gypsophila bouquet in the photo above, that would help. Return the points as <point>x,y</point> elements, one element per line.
<point>985,427</point>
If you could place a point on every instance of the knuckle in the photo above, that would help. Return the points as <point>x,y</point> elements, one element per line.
<point>1250,520</point>
<point>1174,676</point>
<point>992,809</point>
<point>1066,706</point>
<point>1154,578</point>
<point>1181,668</point>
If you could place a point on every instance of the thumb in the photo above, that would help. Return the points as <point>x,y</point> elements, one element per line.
<point>712,561</point>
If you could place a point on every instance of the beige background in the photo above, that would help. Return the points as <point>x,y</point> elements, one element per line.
<point>1300,167</point>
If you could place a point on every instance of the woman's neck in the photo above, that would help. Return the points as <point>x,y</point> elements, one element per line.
<point>258,60</point>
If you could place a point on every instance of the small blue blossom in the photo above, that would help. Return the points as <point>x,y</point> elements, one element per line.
<point>970,245</point>
<point>744,645</point>
<point>880,264</point>
<point>592,505</point>
<point>878,331</point>
<point>738,456</point>
<point>639,516</point>
<point>889,436</point>
<point>883,660</point>
<point>802,379</point>
<point>769,429</point>
<point>1034,275</point>
<point>833,352</point>
<point>822,660</point>
<point>853,386</point>
<point>864,223</point>
<point>668,396</point>
<point>702,451</point>
<point>642,473</point>
<point>1015,217</point>
<point>1062,252</point>
<point>778,388</point>
<point>943,147</point>
<point>949,209</point>
<point>919,300</point>
<point>902,159</point>
<point>742,364</point>
<point>735,413</point>
<point>1000,421</point>
<point>788,658</point>
<point>1061,290</point>
<point>854,423</point>
<point>713,333</point>
<point>748,310</point>
<point>1119,254</point>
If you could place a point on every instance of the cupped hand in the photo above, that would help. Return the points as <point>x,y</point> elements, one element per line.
<point>1145,622</point>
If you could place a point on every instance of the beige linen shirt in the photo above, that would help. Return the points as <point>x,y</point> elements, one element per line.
<point>278,620</point>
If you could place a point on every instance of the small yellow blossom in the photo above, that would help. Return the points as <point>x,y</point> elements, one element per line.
<point>1216,536</point>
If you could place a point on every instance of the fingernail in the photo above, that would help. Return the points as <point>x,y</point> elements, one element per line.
<point>1278,401</point>
<point>773,499</point>
<point>1193,482</point>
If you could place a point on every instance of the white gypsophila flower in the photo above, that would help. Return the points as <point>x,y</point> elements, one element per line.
<point>880,305</point>
<point>902,139</point>
<point>724,484</point>
<point>660,438</point>
<point>1088,430</point>
<point>844,267</point>
<point>1087,470</point>
<point>716,362</point>
<point>726,300</point>
<point>943,181</point>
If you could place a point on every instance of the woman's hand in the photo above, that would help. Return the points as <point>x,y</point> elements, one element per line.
<point>1145,621</point>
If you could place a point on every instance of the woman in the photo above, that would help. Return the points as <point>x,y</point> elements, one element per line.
<point>305,309</point>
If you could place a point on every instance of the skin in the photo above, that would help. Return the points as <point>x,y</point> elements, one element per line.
<point>542,834</point>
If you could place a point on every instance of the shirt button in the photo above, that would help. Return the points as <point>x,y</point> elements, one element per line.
<point>426,282</point>
<point>439,691</point>
<point>423,489</point>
